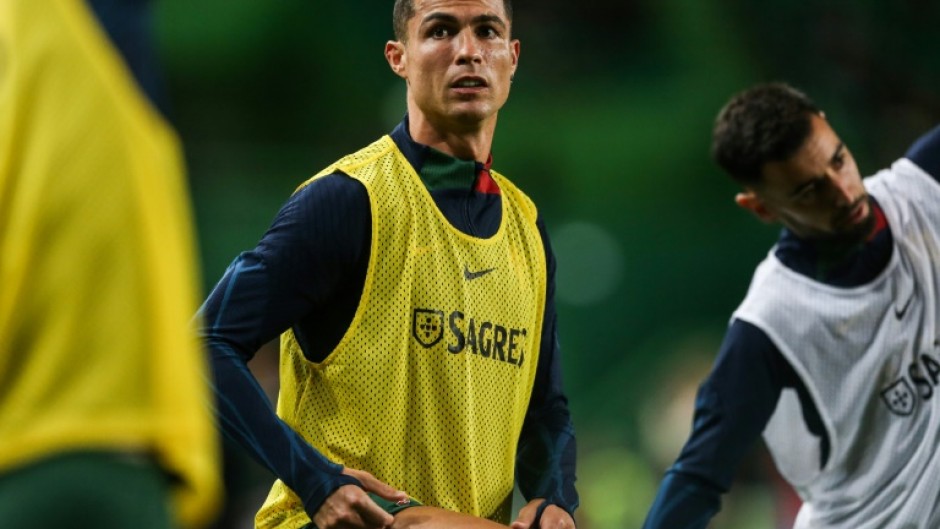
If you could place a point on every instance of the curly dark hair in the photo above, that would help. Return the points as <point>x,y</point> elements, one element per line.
<point>405,9</point>
<point>765,123</point>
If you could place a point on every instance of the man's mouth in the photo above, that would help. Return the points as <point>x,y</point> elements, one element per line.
<point>469,82</point>
<point>857,213</point>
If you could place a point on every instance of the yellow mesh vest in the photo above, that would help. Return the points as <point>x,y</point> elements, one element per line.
<point>97,263</point>
<point>429,387</point>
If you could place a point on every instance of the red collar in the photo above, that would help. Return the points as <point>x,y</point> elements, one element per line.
<point>485,182</point>
<point>880,221</point>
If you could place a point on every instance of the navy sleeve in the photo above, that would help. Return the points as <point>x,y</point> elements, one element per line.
<point>925,152</point>
<point>128,24</point>
<point>547,449</point>
<point>731,410</point>
<point>307,252</point>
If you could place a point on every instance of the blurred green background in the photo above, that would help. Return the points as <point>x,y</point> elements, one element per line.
<point>608,129</point>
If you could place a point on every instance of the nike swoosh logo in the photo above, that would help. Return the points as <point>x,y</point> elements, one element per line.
<point>899,312</point>
<point>469,276</point>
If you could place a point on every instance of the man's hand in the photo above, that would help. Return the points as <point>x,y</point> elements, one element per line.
<point>553,517</point>
<point>349,507</point>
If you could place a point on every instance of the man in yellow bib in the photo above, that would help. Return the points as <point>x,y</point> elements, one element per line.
<point>412,288</point>
<point>104,415</point>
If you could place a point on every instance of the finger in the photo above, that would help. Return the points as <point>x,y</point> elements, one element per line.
<point>382,489</point>
<point>555,517</point>
<point>525,518</point>
<point>339,519</point>
<point>372,515</point>
<point>344,509</point>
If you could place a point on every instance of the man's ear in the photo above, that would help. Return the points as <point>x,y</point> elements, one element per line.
<point>395,55</point>
<point>749,200</point>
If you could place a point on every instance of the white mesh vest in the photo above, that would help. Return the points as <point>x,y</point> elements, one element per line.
<point>870,359</point>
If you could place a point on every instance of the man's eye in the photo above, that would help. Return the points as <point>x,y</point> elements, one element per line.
<point>838,161</point>
<point>808,192</point>
<point>439,32</point>
<point>487,32</point>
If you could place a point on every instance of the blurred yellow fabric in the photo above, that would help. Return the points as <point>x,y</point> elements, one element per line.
<point>97,267</point>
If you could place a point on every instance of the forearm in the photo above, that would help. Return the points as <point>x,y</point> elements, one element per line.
<point>245,415</point>
<point>546,461</point>
<point>683,502</point>
<point>732,408</point>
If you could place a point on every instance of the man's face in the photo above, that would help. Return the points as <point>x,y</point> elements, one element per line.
<point>458,61</point>
<point>817,193</point>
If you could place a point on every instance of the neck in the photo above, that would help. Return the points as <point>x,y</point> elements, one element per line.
<point>466,142</point>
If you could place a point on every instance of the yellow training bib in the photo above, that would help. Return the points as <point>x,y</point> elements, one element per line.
<point>429,387</point>
<point>97,261</point>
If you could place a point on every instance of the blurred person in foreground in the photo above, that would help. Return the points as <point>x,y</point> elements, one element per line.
<point>834,354</point>
<point>412,288</point>
<point>104,406</point>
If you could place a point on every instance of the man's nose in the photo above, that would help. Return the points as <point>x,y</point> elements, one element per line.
<point>842,188</point>
<point>468,48</point>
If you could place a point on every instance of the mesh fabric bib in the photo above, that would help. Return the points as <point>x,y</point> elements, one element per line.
<point>429,387</point>
<point>870,358</point>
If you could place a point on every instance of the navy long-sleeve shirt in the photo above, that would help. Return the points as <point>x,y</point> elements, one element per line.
<point>740,394</point>
<point>307,274</point>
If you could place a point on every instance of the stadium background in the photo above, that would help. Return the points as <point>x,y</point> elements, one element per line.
<point>608,130</point>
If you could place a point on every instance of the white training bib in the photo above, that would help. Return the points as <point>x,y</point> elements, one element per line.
<point>870,359</point>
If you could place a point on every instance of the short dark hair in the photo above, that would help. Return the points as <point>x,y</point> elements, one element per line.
<point>405,9</point>
<point>765,123</point>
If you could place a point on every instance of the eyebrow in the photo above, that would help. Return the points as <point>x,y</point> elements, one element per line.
<point>477,20</point>
<point>809,183</point>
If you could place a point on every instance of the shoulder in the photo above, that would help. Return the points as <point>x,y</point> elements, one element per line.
<point>327,221</point>
<point>747,347</point>
<point>352,163</point>
<point>904,182</point>
<point>925,153</point>
<point>331,204</point>
<point>334,190</point>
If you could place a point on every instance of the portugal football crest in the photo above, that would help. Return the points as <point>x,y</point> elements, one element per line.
<point>899,397</point>
<point>428,326</point>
